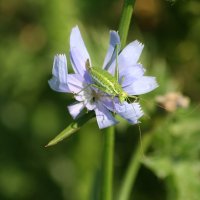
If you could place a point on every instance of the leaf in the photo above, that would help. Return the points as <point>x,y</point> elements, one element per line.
<point>72,128</point>
<point>184,181</point>
<point>174,156</point>
<point>161,166</point>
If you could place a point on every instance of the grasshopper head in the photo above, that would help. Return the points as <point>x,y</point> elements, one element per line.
<point>87,64</point>
<point>122,97</point>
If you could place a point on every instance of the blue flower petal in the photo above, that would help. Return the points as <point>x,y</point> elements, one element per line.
<point>128,57</point>
<point>130,74</point>
<point>82,92</point>
<point>131,112</point>
<point>75,109</point>
<point>111,55</point>
<point>90,105</point>
<point>130,54</point>
<point>78,51</point>
<point>78,61</point>
<point>75,82</point>
<point>141,86</point>
<point>104,117</point>
<point>59,71</point>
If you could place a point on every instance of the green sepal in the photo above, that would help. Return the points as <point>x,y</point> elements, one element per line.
<point>72,128</point>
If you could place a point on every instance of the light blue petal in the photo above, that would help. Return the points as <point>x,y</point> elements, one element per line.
<point>128,57</point>
<point>59,71</point>
<point>90,105</point>
<point>78,61</point>
<point>104,117</point>
<point>75,109</point>
<point>75,82</point>
<point>130,54</point>
<point>109,103</point>
<point>111,55</point>
<point>82,92</point>
<point>78,51</point>
<point>141,86</point>
<point>130,74</point>
<point>131,112</point>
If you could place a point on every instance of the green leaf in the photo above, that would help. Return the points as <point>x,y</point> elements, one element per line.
<point>186,180</point>
<point>72,128</point>
<point>174,156</point>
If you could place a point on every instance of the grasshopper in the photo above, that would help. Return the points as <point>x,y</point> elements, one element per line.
<point>107,83</point>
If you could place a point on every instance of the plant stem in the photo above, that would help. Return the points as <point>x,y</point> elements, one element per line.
<point>125,20</point>
<point>109,137</point>
<point>107,164</point>
<point>134,166</point>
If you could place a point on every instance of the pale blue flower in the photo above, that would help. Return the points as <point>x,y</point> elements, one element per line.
<point>131,77</point>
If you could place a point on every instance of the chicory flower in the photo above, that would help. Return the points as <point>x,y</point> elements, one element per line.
<point>131,78</point>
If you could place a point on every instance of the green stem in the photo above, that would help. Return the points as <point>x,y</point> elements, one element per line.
<point>133,167</point>
<point>108,149</point>
<point>125,20</point>
<point>107,168</point>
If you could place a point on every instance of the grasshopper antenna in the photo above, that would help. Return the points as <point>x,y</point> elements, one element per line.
<point>141,144</point>
<point>139,128</point>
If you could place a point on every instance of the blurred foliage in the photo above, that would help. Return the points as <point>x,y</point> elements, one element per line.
<point>174,156</point>
<point>31,33</point>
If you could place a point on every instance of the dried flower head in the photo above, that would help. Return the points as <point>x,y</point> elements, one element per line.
<point>172,101</point>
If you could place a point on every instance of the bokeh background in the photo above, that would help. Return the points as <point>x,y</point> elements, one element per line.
<point>31,114</point>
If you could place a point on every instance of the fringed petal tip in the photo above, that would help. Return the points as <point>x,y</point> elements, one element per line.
<point>59,65</point>
<point>129,56</point>
<point>60,55</point>
<point>139,44</point>
<point>131,112</point>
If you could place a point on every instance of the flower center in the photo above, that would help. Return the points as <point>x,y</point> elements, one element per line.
<point>95,95</point>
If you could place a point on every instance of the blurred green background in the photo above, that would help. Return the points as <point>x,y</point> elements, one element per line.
<point>31,33</point>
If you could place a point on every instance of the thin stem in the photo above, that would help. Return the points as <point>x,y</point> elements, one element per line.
<point>133,167</point>
<point>109,137</point>
<point>125,20</point>
<point>107,168</point>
